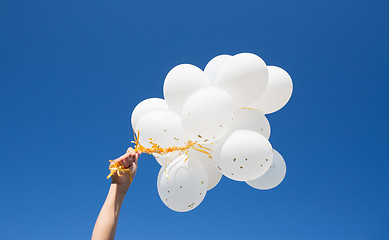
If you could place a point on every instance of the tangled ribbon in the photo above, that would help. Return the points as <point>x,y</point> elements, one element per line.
<point>155,148</point>
<point>118,169</point>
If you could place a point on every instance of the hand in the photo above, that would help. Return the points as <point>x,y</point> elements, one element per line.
<point>130,161</point>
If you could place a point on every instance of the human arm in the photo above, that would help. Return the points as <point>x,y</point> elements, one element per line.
<point>105,226</point>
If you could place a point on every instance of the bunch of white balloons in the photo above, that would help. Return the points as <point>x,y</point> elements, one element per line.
<point>223,109</point>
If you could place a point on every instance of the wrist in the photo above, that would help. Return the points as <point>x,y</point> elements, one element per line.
<point>121,188</point>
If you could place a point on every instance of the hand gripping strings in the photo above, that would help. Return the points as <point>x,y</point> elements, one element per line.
<point>118,169</point>
<point>155,148</point>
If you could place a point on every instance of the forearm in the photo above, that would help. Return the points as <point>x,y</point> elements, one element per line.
<point>105,226</point>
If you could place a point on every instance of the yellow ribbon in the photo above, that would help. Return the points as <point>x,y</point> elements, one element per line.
<point>155,148</point>
<point>118,169</point>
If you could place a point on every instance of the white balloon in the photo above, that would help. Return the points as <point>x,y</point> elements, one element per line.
<point>213,174</point>
<point>145,106</point>
<point>251,119</point>
<point>244,77</point>
<point>181,82</point>
<point>182,186</point>
<point>207,114</point>
<point>277,93</point>
<point>245,155</point>
<point>214,65</point>
<point>244,118</point>
<point>162,125</point>
<point>166,159</point>
<point>273,177</point>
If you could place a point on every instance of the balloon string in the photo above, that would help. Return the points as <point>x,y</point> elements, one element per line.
<point>155,148</point>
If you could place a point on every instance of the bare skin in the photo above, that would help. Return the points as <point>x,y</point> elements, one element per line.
<point>105,226</point>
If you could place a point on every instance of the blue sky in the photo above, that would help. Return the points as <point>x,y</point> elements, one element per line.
<point>72,71</point>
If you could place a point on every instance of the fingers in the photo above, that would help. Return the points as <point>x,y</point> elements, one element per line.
<point>128,159</point>
<point>130,150</point>
<point>132,153</point>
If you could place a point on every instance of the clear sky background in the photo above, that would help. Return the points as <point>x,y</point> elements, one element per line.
<point>72,71</point>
